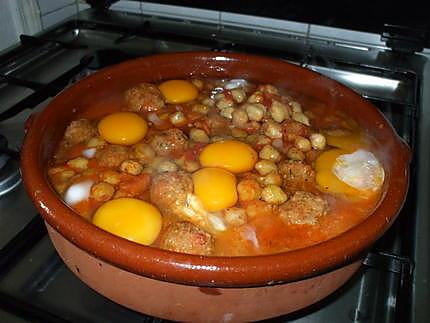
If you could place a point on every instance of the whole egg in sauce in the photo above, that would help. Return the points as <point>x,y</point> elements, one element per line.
<point>218,167</point>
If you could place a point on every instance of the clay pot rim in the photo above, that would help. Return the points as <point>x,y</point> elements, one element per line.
<point>211,271</point>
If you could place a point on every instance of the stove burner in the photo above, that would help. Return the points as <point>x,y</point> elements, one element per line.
<point>10,175</point>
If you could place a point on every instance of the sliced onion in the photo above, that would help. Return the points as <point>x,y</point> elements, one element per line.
<point>235,83</point>
<point>154,118</point>
<point>249,234</point>
<point>216,222</point>
<point>78,192</point>
<point>89,153</point>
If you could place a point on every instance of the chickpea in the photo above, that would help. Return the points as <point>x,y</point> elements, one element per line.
<point>248,190</point>
<point>224,103</point>
<point>258,208</point>
<point>263,140</point>
<point>227,113</point>
<point>156,161</point>
<point>167,166</point>
<point>295,106</point>
<point>110,176</point>
<point>208,102</point>
<point>143,152</point>
<point>252,139</point>
<point>301,117</point>
<point>295,154</point>
<point>273,194</point>
<point>318,141</point>
<point>60,187</point>
<point>199,135</point>
<point>239,117</point>
<point>302,144</point>
<point>255,111</point>
<point>200,108</point>
<point>219,138</point>
<point>96,142</point>
<point>278,111</point>
<point>131,167</point>
<point>102,192</point>
<point>219,96</point>
<point>238,95</point>
<point>235,216</point>
<point>238,133</point>
<point>198,83</point>
<point>190,166</point>
<point>79,163</point>
<point>268,152</point>
<point>273,178</point>
<point>272,129</point>
<point>253,125</point>
<point>256,97</point>
<point>177,118</point>
<point>269,88</point>
<point>264,167</point>
<point>61,171</point>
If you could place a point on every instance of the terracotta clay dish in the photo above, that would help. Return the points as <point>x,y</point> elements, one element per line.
<point>177,285</point>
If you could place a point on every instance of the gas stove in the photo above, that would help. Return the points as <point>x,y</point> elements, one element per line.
<point>391,286</point>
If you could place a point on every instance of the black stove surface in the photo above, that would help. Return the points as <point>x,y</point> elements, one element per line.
<point>34,283</point>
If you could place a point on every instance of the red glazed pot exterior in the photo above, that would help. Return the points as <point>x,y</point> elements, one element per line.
<point>79,100</point>
<point>188,303</point>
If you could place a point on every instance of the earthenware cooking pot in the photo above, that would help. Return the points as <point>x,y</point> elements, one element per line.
<point>195,288</point>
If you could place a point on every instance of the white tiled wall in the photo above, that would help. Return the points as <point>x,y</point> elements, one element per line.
<point>47,6</point>
<point>50,12</point>
<point>30,16</point>
<point>53,11</point>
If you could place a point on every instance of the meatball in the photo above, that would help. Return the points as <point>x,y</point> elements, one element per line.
<point>111,155</point>
<point>102,192</point>
<point>79,131</point>
<point>144,97</point>
<point>292,129</point>
<point>171,142</point>
<point>297,176</point>
<point>169,191</point>
<point>187,238</point>
<point>303,208</point>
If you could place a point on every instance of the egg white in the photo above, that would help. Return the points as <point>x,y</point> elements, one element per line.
<point>361,170</point>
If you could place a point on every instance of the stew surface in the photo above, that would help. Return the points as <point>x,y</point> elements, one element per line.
<point>218,167</point>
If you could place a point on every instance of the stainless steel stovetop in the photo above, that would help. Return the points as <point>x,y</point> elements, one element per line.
<point>392,285</point>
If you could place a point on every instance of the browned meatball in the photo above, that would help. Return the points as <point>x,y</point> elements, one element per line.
<point>187,238</point>
<point>169,191</point>
<point>297,176</point>
<point>303,208</point>
<point>79,131</point>
<point>291,129</point>
<point>144,97</point>
<point>111,155</point>
<point>171,142</point>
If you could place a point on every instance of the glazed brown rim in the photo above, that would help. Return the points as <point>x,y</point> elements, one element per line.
<point>214,271</point>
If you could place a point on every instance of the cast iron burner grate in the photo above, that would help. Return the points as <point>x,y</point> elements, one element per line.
<point>10,176</point>
<point>31,266</point>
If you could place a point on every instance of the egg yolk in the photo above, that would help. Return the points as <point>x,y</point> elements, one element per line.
<point>130,218</point>
<point>215,188</point>
<point>325,177</point>
<point>232,155</point>
<point>178,91</point>
<point>122,128</point>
